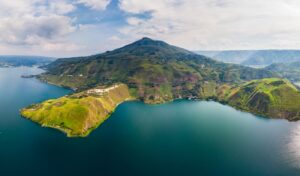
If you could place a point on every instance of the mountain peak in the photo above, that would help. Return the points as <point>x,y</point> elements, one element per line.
<point>146,38</point>
<point>148,41</point>
<point>149,48</point>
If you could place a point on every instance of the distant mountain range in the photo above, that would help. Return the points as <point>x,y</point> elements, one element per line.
<point>290,71</point>
<point>254,57</point>
<point>15,61</point>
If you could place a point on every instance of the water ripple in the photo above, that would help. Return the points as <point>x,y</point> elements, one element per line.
<point>293,146</point>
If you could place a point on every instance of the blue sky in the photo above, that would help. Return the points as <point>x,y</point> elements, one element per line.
<point>63,28</point>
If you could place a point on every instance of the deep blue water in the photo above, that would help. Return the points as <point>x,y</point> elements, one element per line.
<point>181,138</point>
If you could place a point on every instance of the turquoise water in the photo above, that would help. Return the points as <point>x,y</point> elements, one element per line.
<point>179,138</point>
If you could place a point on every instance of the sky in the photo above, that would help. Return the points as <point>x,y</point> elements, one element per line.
<point>64,28</point>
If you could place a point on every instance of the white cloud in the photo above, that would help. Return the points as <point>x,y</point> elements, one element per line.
<point>36,24</point>
<point>68,47</point>
<point>95,4</point>
<point>217,24</point>
<point>134,21</point>
<point>31,29</point>
<point>60,7</point>
<point>44,26</point>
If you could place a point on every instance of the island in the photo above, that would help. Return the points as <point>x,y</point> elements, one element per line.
<point>155,72</point>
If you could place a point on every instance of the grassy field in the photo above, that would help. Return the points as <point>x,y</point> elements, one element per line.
<point>78,114</point>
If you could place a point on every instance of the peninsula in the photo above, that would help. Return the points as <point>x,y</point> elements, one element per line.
<point>78,114</point>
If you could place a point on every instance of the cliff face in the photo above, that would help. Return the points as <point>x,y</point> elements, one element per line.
<point>80,113</point>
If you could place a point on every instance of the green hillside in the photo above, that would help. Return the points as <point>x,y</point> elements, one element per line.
<point>272,97</point>
<point>154,70</point>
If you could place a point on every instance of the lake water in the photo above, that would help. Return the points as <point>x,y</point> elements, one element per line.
<point>179,138</point>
